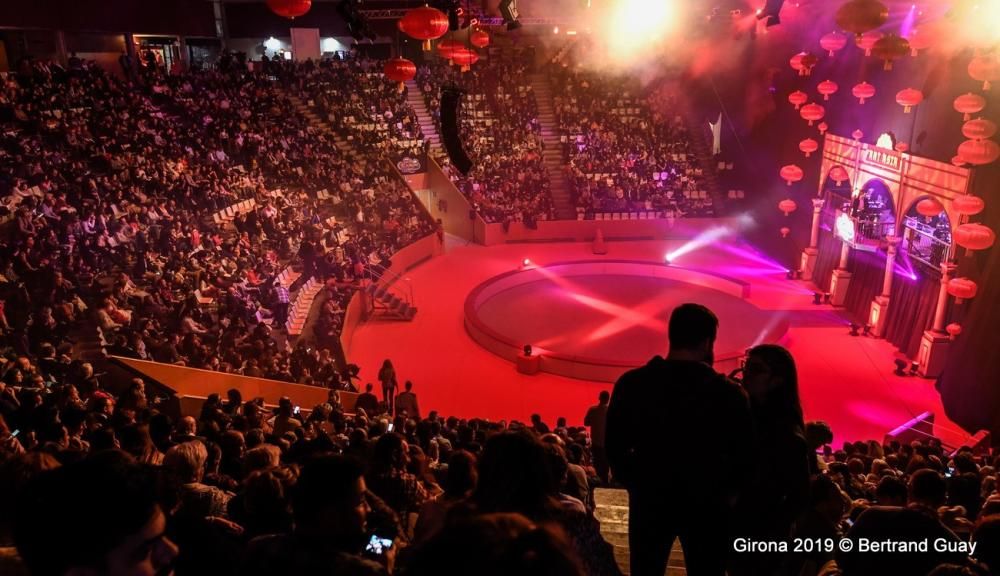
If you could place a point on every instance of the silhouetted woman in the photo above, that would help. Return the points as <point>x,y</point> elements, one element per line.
<point>778,492</point>
<point>387,376</point>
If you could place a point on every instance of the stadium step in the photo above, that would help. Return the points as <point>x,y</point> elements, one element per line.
<point>562,200</point>
<point>415,98</point>
<point>611,510</point>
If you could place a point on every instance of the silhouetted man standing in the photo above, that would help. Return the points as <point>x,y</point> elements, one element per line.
<point>680,438</point>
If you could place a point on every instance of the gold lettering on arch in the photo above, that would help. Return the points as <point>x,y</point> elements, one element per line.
<point>883,158</point>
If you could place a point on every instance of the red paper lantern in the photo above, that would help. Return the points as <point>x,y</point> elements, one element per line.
<point>789,174</point>
<point>979,152</point>
<point>812,113</point>
<point>953,329</point>
<point>929,207</point>
<point>969,104</point>
<point>968,205</point>
<point>465,58</point>
<point>446,48</point>
<point>890,48</point>
<point>908,98</point>
<point>827,88</point>
<point>927,35</point>
<point>979,129</point>
<point>798,98</point>
<point>839,175</point>
<point>787,206</point>
<point>863,92</point>
<point>857,134</point>
<point>974,237</point>
<point>833,42</point>
<point>957,161</point>
<point>985,68</point>
<point>400,70</point>
<point>868,40</point>
<point>822,127</point>
<point>962,289</point>
<point>424,23</point>
<point>289,8</point>
<point>803,63</point>
<point>902,146</point>
<point>785,231</point>
<point>808,146</point>
<point>479,39</point>
<point>860,16</point>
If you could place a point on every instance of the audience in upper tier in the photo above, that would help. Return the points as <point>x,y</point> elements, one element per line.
<point>627,146</point>
<point>94,483</point>
<point>120,199</point>
<point>500,132</point>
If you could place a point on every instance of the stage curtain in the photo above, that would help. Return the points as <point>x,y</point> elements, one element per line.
<point>969,385</point>
<point>826,260</point>
<point>911,311</point>
<point>867,274</point>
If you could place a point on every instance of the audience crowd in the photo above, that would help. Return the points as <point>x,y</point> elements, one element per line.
<point>627,146</point>
<point>500,132</point>
<point>112,189</point>
<point>117,196</point>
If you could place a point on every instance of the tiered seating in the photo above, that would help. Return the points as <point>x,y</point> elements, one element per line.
<point>500,132</point>
<point>629,151</point>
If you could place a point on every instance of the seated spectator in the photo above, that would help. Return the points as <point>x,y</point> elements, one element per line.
<point>125,532</point>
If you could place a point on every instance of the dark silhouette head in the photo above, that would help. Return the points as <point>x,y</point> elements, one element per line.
<point>692,330</point>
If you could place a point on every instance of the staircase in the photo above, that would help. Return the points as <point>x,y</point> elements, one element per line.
<point>415,98</point>
<point>701,144</point>
<point>391,305</point>
<point>552,156</point>
<point>611,509</point>
<point>316,120</point>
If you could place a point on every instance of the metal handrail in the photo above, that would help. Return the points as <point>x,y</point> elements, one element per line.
<point>378,273</point>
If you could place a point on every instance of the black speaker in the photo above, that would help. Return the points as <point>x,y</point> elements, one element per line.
<point>451,102</point>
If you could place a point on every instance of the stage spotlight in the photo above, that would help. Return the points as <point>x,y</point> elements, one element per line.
<point>527,349</point>
<point>525,263</point>
<point>855,329</point>
<point>508,9</point>
<point>867,331</point>
<point>793,274</point>
<point>817,298</point>
<point>900,367</point>
<point>827,297</point>
<point>914,368</point>
<point>771,11</point>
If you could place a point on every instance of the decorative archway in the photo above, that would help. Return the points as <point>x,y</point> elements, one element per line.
<point>927,240</point>
<point>874,211</point>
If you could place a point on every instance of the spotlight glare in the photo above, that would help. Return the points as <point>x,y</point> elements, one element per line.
<point>635,26</point>
<point>526,262</point>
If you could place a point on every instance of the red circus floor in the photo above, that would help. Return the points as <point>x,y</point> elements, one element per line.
<point>844,380</point>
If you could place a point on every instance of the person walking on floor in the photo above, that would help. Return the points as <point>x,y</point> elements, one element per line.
<point>387,376</point>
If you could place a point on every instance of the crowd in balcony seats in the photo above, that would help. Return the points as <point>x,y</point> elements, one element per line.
<point>164,209</point>
<point>627,146</point>
<point>501,133</point>
<point>354,96</point>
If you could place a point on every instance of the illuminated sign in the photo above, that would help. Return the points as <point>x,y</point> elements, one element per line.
<point>884,158</point>
<point>845,227</point>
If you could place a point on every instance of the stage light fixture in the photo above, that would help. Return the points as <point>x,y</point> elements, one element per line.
<point>827,297</point>
<point>508,9</point>
<point>900,367</point>
<point>817,298</point>
<point>525,263</point>
<point>855,329</point>
<point>527,349</point>
<point>914,368</point>
<point>772,12</point>
<point>867,330</point>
